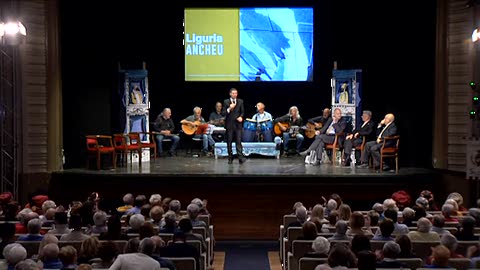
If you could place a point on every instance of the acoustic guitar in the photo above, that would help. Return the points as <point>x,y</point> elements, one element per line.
<point>277,130</point>
<point>310,129</point>
<point>196,128</point>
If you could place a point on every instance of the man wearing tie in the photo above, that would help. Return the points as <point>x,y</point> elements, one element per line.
<point>387,128</point>
<point>233,110</point>
<point>366,130</point>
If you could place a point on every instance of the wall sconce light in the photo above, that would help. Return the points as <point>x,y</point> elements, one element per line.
<point>12,33</point>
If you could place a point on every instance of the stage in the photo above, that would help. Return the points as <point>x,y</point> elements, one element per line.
<point>247,200</point>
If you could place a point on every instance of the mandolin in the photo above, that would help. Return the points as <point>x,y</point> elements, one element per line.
<point>196,128</point>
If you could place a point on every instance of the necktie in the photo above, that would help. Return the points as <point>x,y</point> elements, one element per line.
<point>234,101</point>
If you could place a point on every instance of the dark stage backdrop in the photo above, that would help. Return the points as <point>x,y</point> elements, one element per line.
<point>398,66</point>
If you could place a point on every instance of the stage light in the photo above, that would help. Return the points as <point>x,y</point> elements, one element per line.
<point>475,100</point>
<point>472,114</point>
<point>473,85</point>
<point>12,33</point>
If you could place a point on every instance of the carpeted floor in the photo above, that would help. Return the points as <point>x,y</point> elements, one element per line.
<point>246,255</point>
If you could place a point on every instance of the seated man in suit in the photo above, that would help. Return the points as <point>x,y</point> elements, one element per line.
<point>366,130</point>
<point>334,126</point>
<point>198,123</point>
<point>289,125</point>
<point>387,128</point>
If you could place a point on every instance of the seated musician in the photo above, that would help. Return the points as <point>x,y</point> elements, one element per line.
<point>196,123</point>
<point>366,130</point>
<point>335,126</point>
<point>216,121</point>
<point>319,121</point>
<point>262,117</point>
<point>164,128</point>
<point>289,125</point>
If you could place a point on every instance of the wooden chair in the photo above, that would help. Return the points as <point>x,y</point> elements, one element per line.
<point>148,141</point>
<point>335,146</point>
<point>389,151</point>
<point>98,145</point>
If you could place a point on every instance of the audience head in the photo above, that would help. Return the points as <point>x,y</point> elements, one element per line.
<point>448,210</point>
<point>424,225</point>
<point>452,202</point>
<point>155,199</point>
<point>337,199</point>
<point>14,253</point>
<point>50,252</point>
<point>333,218</point>
<point>391,214</point>
<point>185,225</point>
<point>360,242</point>
<point>357,221</point>
<point>449,241</point>
<point>158,243</point>
<point>341,255</point>
<point>84,266</point>
<point>390,204</point>
<point>321,245</point>
<point>100,218</point>
<point>156,213</point>
<point>317,211</point>
<point>132,245</point>
<point>128,199</point>
<point>457,197</point>
<point>170,219</point>
<point>34,226</point>
<point>378,207</point>
<point>136,221</point>
<point>408,213</point>
<point>27,264</point>
<point>68,255</point>
<point>198,202</point>
<point>107,251</point>
<point>374,217</point>
<point>89,247</point>
<point>475,213</point>
<point>405,245</point>
<point>332,205</point>
<point>391,250</point>
<point>147,246</point>
<point>468,223</point>
<point>193,211</point>
<point>301,213</point>
<point>440,254</point>
<point>114,225</point>
<point>438,221</point>
<point>387,227</point>
<point>61,218</point>
<point>175,206</point>
<point>309,230</point>
<point>47,239</point>
<point>341,227</point>
<point>47,205</point>
<point>344,212</point>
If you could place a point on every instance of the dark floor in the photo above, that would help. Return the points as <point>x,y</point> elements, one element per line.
<point>240,255</point>
<point>257,165</point>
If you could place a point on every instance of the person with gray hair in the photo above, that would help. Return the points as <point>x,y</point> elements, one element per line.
<point>448,210</point>
<point>424,232</point>
<point>301,214</point>
<point>100,221</point>
<point>319,212</point>
<point>341,228</point>
<point>408,215</point>
<point>390,252</point>
<point>320,247</point>
<point>175,206</point>
<point>34,226</point>
<point>155,199</point>
<point>170,220</point>
<point>27,264</point>
<point>193,123</point>
<point>357,137</point>
<point>159,243</point>
<point>192,213</point>
<point>14,253</point>
<point>140,260</point>
<point>136,221</point>
<point>331,206</point>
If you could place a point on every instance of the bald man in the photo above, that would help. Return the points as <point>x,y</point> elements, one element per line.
<point>263,118</point>
<point>386,128</point>
<point>319,121</point>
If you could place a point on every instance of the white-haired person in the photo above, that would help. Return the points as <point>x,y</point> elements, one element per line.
<point>155,199</point>
<point>135,222</point>
<point>449,212</point>
<point>301,215</point>
<point>192,213</point>
<point>27,264</point>
<point>424,232</point>
<point>203,206</point>
<point>100,223</point>
<point>13,254</point>
<point>320,247</point>
<point>458,198</point>
<point>170,220</point>
<point>176,206</point>
<point>408,216</point>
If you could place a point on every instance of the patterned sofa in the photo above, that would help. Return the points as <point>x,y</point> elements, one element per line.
<point>260,148</point>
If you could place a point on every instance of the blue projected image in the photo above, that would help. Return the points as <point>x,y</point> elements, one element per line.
<point>276,44</point>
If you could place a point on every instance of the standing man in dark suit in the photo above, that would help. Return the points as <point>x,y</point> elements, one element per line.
<point>386,128</point>
<point>366,130</point>
<point>233,110</point>
<point>334,126</point>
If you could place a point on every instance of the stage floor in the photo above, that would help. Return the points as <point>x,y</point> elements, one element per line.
<point>293,166</point>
